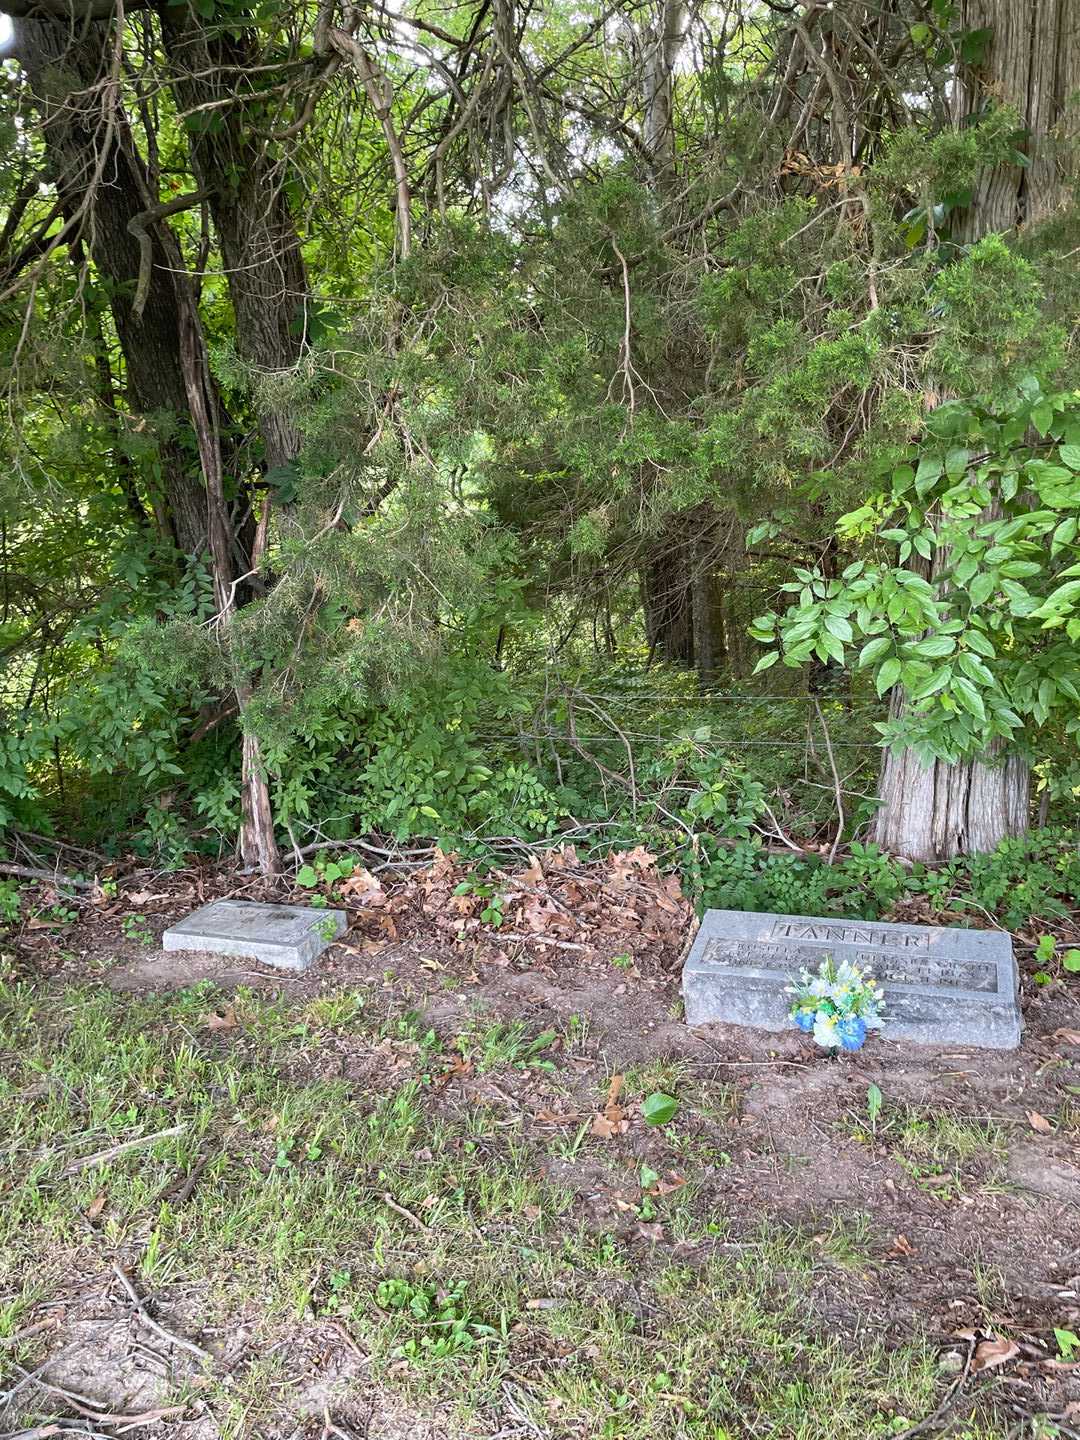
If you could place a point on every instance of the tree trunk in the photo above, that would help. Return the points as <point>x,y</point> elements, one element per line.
<point>255,228</point>
<point>96,166</point>
<point>267,285</point>
<point>662,43</point>
<point>668,600</point>
<point>935,812</point>
<point>1032,62</point>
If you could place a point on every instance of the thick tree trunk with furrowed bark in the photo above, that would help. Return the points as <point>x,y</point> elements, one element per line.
<point>260,249</point>
<point>96,167</point>
<point>934,812</point>
<point>1032,62</point>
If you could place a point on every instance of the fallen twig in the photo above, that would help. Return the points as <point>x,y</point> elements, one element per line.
<point>29,1330</point>
<point>152,1324</point>
<point>91,1412</point>
<point>53,877</point>
<point>100,1156</point>
<point>945,1402</point>
<point>540,940</point>
<point>329,1428</point>
<point>392,1204</point>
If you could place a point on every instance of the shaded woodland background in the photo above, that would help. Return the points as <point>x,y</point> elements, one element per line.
<point>412,418</point>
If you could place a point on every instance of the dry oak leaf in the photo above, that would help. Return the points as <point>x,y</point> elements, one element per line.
<point>223,1019</point>
<point>611,1121</point>
<point>989,1354</point>
<point>1039,1122</point>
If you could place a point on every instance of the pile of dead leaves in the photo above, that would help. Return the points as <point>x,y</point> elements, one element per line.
<point>621,904</point>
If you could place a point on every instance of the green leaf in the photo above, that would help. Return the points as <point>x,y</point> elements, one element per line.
<point>975,669</point>
<point>832,647</point>
<point>306,877</point>
<point>430,813</point>
<point>976,640</point>
<point>973,45</point>
<point>969,697</point>
<point>887,676</point>
<point>982,587</point>
<point>1070,455</point>
<point>1071,961</point>
<point>874,650</point>
<point>770,658</point>
<point>659,1108</point>
<point>934,647</point>
<point>1042,416</point>
<point>838,626</point>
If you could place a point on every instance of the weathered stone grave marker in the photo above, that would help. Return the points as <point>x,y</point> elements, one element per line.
<point>943,986</point>
<point>288,937</point>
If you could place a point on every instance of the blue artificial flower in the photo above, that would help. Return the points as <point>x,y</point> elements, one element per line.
<point>851,1032</point>
<point>804,1019</point>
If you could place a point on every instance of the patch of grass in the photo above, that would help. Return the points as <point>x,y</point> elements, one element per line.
<point>414,1221</point>
<point>499,1044</point>
<point>940,1149</point>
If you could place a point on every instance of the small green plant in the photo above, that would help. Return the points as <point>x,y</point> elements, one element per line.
<point>873,1106</point>
<point>135,928</point>
<point>1045,952</point>
<point>440,1323</point>
<point>492,913</point>
<point>508,1044</point>
<point>291,1153</point>
<point>1068,1343</point>
<point>326,872</point>
<point>10,902</point>
<point>622,962</point>
<point>327,928</point>
<point>337,1296</point>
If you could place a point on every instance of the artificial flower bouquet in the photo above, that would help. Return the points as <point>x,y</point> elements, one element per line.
<point>839,1005</point>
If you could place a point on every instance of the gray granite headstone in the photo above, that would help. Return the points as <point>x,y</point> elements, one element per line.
<point>288,937</point>
<point>943,985</point>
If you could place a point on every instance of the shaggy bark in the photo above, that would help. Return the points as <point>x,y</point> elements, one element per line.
<point>245,177</point>
<point>1032,62</point>
<point>100,175</point>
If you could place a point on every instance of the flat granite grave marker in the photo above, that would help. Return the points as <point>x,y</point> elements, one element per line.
<point>943,986</point>
<point>289,937</point>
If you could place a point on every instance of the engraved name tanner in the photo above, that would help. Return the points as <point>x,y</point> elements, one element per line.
<point>895,969</point>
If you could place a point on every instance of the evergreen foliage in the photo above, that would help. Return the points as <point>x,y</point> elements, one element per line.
<point>535,363</point>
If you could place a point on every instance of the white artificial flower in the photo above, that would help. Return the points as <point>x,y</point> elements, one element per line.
<point>825,1032</point>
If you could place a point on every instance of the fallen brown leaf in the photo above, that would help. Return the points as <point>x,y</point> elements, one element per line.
<point>96,1206</point>
<point>666,1187</point>
<point>1053,1366</point>
<point>1068,1037</point>
<point>1039,1122</point>
<point>606,1127</point>
<point>989,1354</point>
<point>223,1019</point>
<point>611,1121</point>
<point>901,1247</point>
